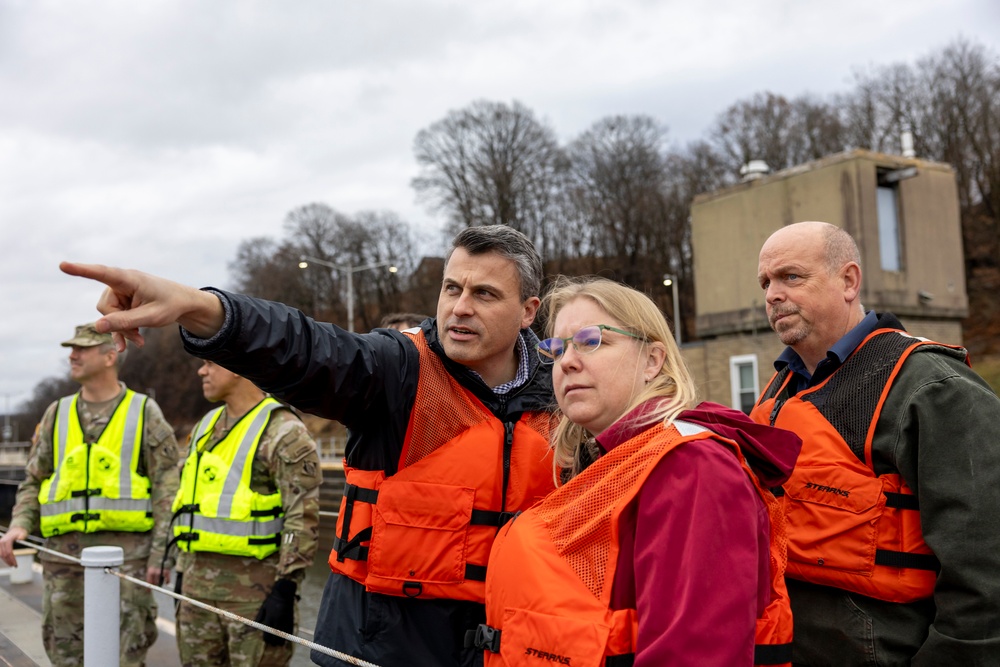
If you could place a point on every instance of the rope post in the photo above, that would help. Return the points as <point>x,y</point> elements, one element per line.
<point>101,606</point>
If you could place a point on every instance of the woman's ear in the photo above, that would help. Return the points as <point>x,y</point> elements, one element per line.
<point>655,355</point>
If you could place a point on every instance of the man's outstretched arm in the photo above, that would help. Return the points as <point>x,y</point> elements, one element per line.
<point>133,299</point>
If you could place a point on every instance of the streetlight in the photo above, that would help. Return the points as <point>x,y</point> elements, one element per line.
<point>670,281</point>
<point>349,271</point>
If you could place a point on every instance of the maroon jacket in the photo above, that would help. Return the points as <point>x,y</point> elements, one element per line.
<point>694,557</point>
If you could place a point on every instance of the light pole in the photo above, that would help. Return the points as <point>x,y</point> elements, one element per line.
<point>670,281</point>
<point>349,271</point>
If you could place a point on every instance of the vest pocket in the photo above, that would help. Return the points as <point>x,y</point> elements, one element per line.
<point>528,637</point>
<point>833,517</point>
<point>419,535</point>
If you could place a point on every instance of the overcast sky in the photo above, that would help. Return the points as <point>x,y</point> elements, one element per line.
<point>158,135</point>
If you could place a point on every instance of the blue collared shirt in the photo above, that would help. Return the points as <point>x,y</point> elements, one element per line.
<point>835,356</point>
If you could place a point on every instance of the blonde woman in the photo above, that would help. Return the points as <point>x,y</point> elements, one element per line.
<point>656,549</point>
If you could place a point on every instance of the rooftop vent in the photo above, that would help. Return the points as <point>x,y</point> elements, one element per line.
<point>906,143</point>
<point>754,169</point>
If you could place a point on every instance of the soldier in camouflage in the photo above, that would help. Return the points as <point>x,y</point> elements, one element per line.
<point>254,583</point>
<point>94,363</point>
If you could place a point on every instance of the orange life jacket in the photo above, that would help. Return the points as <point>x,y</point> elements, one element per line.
<point>548,591</point>
<point>848,527</point>
<point>426,531</point>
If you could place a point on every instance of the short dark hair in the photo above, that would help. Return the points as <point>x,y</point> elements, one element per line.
<point>507,242</point>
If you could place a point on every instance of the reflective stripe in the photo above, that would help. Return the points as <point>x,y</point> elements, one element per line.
<point>121,504</point>
<point>204,426</point>
<point>130,440</point>
<point>241,459</point>
<point>237,528</point>
<point>64,506</point>
<point>59,446</point>
<point>687,428</point>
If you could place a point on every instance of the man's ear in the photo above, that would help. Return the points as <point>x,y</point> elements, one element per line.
<point>530,310</point>
<point>851,275</point>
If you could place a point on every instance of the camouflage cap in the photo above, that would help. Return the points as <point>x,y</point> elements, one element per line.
<point>87,336</point>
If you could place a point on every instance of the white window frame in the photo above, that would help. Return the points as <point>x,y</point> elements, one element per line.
<point>735,362</point>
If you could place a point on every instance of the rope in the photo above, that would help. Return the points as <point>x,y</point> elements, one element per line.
<point>36,545</point>
<point>228,614</point>
<point>246,621</point>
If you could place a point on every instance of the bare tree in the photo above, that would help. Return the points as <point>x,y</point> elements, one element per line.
<point>617,189</point>
<point>779,131</point>
<point>491,163</point>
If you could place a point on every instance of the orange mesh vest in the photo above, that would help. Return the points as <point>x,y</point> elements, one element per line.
<point>548,591</point>
<point>848,527</point>
<point>426,531</point>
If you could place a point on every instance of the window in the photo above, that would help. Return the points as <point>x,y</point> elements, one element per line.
<point>888,227</point>
<point>743,381</point>
<point>887,210</point>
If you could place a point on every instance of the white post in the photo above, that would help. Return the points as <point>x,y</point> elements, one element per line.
<point>101,606</point>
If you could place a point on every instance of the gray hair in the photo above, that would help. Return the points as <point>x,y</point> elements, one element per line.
<point>119,356</point>
<point>506,242</point>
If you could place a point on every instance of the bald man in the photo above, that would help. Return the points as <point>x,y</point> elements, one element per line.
<point>894,506</point>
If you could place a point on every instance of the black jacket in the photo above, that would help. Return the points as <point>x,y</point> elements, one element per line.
<point>368,382</point>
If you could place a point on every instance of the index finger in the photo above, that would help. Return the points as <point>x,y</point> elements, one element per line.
<point>109,275</point>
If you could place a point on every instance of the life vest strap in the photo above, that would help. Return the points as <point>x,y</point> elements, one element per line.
<point>360,494</point>
<point>475,572</point>
<point>487,638</point>
<point>352,548</point>
<point>903,559</point>
<point>772,654</point>
<point>901,501</point>
<point>490,518</point>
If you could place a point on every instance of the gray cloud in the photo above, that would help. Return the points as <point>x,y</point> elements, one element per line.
<point>159,134</point>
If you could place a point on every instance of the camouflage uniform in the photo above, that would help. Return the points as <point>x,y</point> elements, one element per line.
<point>285,460</point>
<point>62,605</point>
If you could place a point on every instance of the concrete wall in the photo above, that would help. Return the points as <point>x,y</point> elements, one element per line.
<point>729,227</point>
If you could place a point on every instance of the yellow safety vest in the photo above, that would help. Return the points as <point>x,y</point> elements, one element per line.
<point>215,509</point>
<point>96,486</point>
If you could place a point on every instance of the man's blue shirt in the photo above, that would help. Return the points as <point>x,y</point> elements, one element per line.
<point>801,377</point>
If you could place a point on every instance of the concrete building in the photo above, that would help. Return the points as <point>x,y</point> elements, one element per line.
<point>904,213</point>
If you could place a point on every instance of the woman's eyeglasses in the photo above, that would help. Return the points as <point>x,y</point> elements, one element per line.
<point>584,341</point>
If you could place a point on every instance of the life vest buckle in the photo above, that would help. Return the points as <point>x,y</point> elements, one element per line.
<point>487,638</point>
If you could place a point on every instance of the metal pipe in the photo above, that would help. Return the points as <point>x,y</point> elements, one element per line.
<point>101,606</point>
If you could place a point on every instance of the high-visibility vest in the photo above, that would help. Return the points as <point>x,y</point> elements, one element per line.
<point>215,509</point>
<point>552,570</point>
<point>848,527</point>
<point>426,531</point>
<point>96,486</point>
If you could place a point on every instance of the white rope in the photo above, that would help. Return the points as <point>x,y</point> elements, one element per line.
<point>57,554</point>
<point>246,621</point>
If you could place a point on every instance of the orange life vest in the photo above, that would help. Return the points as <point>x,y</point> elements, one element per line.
<point>426,531</point>
<point>548,591</point>
<point>848,527</point>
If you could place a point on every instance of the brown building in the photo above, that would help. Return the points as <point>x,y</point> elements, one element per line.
<point>904,213</point>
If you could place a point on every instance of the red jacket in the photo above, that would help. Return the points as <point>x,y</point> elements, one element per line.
<point>723,526</point>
